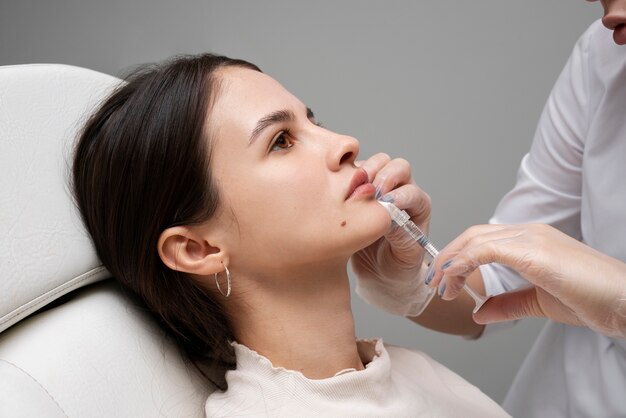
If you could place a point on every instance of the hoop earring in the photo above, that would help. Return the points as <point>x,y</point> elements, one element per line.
<point>228,288</point>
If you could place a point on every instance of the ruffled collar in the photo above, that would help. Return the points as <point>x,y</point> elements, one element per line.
<point>370,382</point>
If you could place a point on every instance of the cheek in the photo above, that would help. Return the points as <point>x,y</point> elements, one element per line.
<point>298,214</point>
<point>277,197</point>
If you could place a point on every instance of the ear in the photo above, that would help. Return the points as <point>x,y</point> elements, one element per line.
<point>183,249</point>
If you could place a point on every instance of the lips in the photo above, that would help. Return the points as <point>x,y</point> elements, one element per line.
<point>619,34</point>
<point>359,184</point>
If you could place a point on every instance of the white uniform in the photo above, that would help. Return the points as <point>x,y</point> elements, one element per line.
<point>574,178</point>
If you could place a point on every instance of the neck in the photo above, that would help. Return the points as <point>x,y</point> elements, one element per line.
<point>300,322</point>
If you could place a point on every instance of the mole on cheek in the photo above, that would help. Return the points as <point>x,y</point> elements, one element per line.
<point>343,223</point>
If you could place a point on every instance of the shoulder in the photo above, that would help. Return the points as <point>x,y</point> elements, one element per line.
<point>419,367</point>
<point>598,46</point>
<point>407,361</point>
<point>596,35</point>
<point>597,31</point>
<point>401,355</point>
<point>417,370</point>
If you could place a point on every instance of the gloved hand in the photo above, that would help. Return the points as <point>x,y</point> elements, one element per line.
<point>573,283</point>
<point>390,272</point>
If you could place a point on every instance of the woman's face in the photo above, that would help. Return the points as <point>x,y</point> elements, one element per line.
<point>291,196</point>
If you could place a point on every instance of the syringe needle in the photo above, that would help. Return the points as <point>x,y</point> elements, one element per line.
<point>402,219</point>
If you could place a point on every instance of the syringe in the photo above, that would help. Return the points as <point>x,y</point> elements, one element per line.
<point>403,220</point>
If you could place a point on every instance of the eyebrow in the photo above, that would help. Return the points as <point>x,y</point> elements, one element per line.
<point>276,117</point>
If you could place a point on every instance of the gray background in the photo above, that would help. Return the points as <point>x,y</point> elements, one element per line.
<point>455,87</point>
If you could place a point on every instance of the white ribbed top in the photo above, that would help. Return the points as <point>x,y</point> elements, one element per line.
<point>395,382</point>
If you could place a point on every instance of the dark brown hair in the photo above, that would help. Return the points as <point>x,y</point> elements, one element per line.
<point>141,165</point>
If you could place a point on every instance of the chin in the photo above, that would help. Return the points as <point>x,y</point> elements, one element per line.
<point>368,227</point>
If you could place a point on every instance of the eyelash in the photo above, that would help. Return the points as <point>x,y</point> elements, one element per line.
<point>276,139</point>
<point>283,134</point>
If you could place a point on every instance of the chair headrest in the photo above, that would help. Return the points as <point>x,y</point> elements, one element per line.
<point>44,249</point>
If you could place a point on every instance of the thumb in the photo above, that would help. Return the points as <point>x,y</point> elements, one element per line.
<point>402,248</point>
<point>510,306</point>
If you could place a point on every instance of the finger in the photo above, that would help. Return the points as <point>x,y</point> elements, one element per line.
<point>374,164</point>
<point>467,252</point>
<point>510,246</point>
<point>473,236</point>
<point>402,247</point>
<point>429,274</point>
<point>510,306</point>
<point>441,289</point>
<point>395,173</point>
<point>454,285</point>
<point>436,272</point>
<point>414,201</point>
<point>447,255</point>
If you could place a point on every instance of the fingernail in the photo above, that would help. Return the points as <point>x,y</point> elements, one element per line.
<point>442,288</point>
<point>447,264</point>
<point>387,198</point>
<point>378,193</point>
<point>430,274</point>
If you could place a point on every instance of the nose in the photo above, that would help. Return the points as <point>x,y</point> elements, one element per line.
<point>614,13</point>
<point>342,150</point>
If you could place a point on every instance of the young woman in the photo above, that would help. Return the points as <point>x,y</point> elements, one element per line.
<point>213,194</point>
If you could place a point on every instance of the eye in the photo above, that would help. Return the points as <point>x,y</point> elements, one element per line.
<point>281,142</point>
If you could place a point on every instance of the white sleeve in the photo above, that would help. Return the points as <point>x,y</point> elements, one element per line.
<point>548,188</point>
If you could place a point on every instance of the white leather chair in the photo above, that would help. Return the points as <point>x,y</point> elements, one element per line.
<point>71,343</point>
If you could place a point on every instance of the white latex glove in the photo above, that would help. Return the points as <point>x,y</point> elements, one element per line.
<point>573,283</point>
<point>390,272</point>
